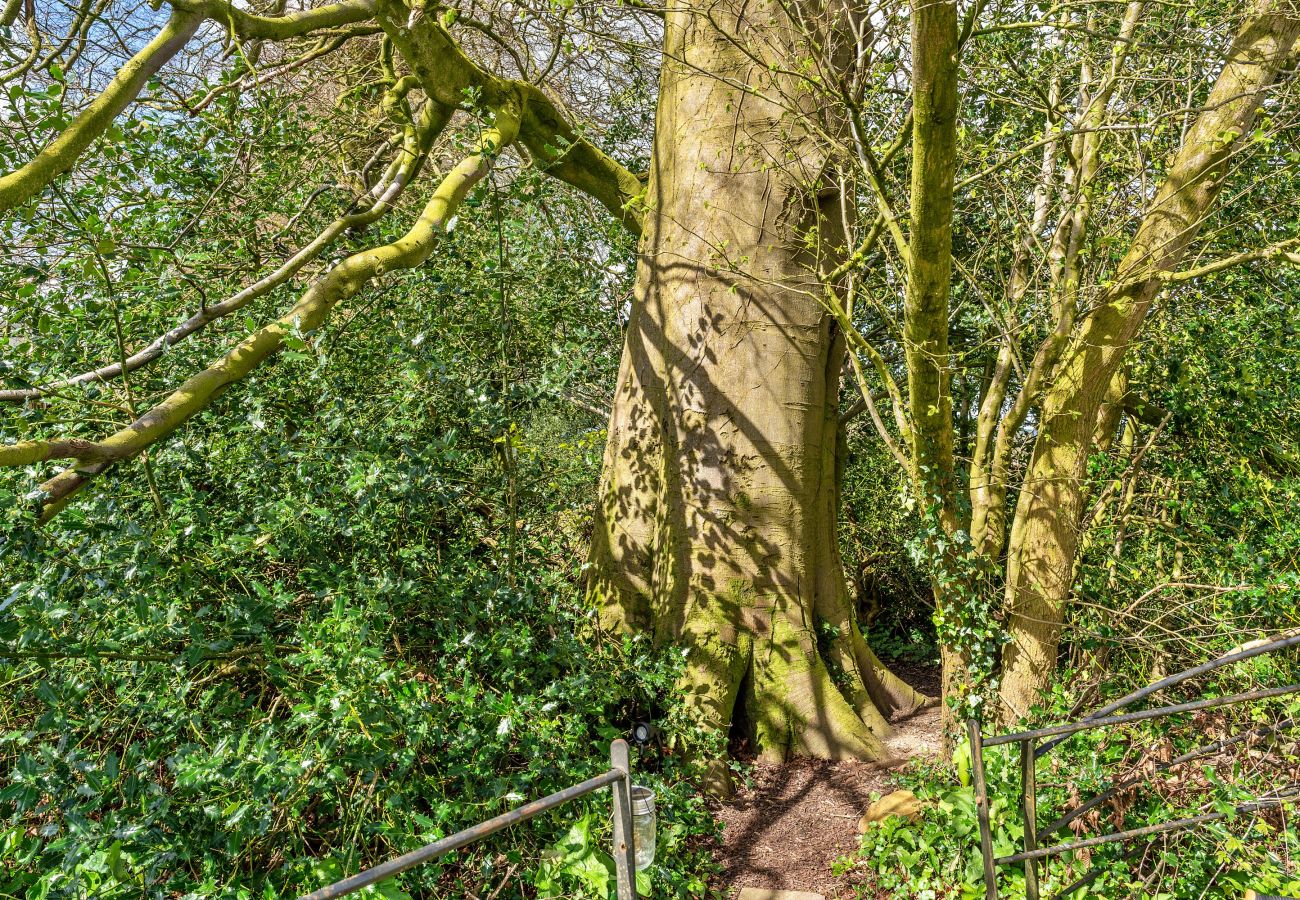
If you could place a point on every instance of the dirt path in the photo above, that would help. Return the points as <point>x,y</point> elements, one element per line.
<point>790,822</point>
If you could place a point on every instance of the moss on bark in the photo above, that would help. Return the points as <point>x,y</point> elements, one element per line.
<point>715,527</point>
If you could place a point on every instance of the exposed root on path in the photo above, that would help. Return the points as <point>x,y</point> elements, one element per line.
<point>785,827</point>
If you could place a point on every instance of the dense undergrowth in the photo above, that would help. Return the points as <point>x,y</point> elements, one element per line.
<point>937,854</point>
<point>1191,551</point>
<point>257,690</point>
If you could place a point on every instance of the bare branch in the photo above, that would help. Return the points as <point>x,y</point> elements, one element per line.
<point>1280,250</point>
<point>895,450</point>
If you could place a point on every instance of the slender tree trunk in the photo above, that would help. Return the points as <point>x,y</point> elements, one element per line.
<point>1045,532</point>
<point>716,526</point>
<point>925,321</point>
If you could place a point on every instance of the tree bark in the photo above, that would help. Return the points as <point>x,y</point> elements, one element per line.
<point>935,53</point>
<point>716,523</point>
<point>1045,532</point>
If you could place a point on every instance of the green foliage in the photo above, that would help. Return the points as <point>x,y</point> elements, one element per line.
<point>578,857</point>
<point>938,856</point>
<point>893,594</point>
<point>968,621</point>
<point>224,776</point>
<point>339,614</point>
<point>1196,545</point>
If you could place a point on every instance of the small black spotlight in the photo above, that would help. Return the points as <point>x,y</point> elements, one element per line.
<point>645,733</point>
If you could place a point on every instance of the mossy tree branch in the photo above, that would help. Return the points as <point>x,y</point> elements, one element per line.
<point>450,80</point>
<point>1044,540</point>
<point>279,28</point>
<point>419,138</point>
<point>21,185</point>
<point>448,75</point>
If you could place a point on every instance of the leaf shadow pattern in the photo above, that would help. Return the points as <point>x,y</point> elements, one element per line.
<point>715,527</point>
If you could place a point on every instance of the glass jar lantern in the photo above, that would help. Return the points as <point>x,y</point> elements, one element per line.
<point>643,825</point>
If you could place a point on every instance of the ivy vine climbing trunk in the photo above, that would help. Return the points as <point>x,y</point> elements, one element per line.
<point>935,53</point>
<point>717,512</point>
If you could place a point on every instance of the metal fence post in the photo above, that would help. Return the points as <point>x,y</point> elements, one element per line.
<point>982,807</point>
<point>1029,813</point>
<point>624,835</point>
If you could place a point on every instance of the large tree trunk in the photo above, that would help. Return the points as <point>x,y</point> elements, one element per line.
<point>1045,532</point>
<point>717,515</point>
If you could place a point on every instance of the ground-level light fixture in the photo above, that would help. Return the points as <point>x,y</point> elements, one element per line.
<point>643,733</point>
<point>643,825</point>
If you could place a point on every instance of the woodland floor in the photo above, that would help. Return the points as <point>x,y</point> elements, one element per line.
<point>788,823</point>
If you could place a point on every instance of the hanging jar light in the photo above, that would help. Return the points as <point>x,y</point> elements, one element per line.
<point>643,825</point>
